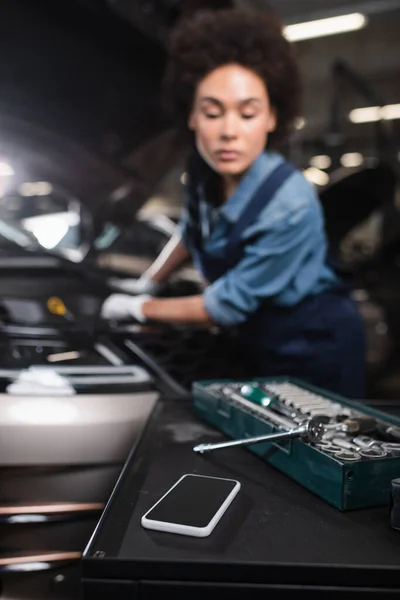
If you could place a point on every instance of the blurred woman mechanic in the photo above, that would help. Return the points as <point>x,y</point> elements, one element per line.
<point>252,224</point>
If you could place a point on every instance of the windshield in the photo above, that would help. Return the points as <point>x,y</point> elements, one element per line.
<point>38,215</point>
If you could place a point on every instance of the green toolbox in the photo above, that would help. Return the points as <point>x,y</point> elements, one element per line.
<point>344,452</point>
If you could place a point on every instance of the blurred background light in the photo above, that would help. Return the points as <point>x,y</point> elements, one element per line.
<point>323,27</point>
<point>300,123</point>
<point>316,176</point>
<point>322,161</point>
<point>37,188</point>
<point>351,159</point>
<point>6,170</point>
<point>369,114</point>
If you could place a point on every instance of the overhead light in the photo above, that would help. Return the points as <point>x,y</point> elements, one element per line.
<point>365,115</point>
<point>6,170</point>
<point>184,178</point>
<point>37,188</point>
<point>391,111</point>
<point>322,161</point>
<point>370,114</point>
<point>316,176</point>
<point>300,123</point>
<point>352,159</point>
<point>324,27</point>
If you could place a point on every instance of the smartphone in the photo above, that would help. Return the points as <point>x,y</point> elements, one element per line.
<point>192,506</point>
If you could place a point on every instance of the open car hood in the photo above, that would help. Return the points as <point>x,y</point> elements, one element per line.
<point>85,134</point>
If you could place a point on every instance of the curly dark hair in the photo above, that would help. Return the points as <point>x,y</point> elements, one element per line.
<point>249,38</point>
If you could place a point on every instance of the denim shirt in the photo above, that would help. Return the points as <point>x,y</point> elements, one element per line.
<point>284,256</point>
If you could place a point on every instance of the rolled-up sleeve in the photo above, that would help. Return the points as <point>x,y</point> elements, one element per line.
<point>272,260</point>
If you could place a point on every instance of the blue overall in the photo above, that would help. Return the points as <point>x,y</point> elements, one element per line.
<point>319,340</point>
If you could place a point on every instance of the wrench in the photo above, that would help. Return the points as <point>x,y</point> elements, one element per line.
<point>313,430</point>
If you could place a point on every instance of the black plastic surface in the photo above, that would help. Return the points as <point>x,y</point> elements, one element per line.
<point>276,533</point>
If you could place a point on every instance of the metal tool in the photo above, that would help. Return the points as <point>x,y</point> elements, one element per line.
<point>315,412</point>
<point>391,448</point>
<point>373,452</point>
<point>364,447</point>
<point>268,400</point>
<point>305,402</point>
<point>347,456</point>
<point>359,424</point>
<point>334,450</point>
<point>272,416</point>
<point>328,447</point>
<point>324,445</point>
<point>344,444</point>
<point>313,430</point>
<point>331,433</point>
<point>389,432</point>
<point>363,441</point>
<point>307,407</point>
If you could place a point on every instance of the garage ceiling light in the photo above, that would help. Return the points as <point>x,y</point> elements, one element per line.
<point>370,114</point>
<point>316,176</point>
<point>300,123</point>
<point>322,161</point>
<point>324,27</point>
<point>36,188</point>
<point>352,159</point>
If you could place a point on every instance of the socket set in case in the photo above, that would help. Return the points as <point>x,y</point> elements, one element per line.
<point>343,451</point>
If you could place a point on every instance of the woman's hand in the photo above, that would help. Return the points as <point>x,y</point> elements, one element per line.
<point>189,309</point>
<point>124,306</point>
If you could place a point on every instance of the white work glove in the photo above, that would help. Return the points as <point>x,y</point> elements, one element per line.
<point>123,306</point>
<point>143,285</point>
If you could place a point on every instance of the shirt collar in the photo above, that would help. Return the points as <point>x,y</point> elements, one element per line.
<point>261,168</point>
